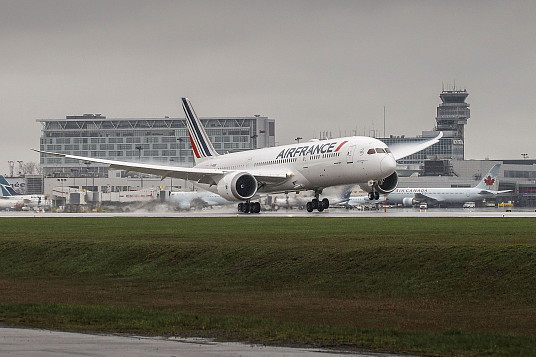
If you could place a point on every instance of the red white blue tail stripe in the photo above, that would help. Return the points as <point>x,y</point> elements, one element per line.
<point>201,144</point>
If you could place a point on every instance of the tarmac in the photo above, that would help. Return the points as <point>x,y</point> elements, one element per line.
<point>332,212</point>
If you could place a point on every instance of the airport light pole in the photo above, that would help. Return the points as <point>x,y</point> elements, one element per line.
<point>139,159</point>
<point>171,178</point>
<point>20,167</point>
<point>87,172</point>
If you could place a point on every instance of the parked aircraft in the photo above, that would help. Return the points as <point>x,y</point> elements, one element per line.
<point>335,195</point>
<point>185,200</point>
<point>10,199</point>
<point>312,165</point>
<point>437,196</point>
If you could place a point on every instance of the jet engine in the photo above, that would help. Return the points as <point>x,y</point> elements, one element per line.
<point>237,186</point>
<point>384,186</point>
<point>408,201</point>
<point>387,185</point>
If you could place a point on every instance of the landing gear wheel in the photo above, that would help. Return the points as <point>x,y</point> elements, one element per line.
<point>371,196</point>
<point>241,207</point>
<point>309,207</point>
<point>314,202</point>
<point>325,203</point>
<point>376,196</point>
<point>320,208</point>
<point>255,207</point>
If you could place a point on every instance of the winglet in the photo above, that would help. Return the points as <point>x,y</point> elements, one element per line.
<point>201,145</point>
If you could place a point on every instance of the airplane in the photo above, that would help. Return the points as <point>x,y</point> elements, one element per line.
<point>335,195</point>
<point>9,198</point>
<point>313,165</point>
<point>184,200</point>
<point>437,196</point>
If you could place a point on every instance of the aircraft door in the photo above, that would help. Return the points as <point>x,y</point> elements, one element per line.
<point>350,154</point>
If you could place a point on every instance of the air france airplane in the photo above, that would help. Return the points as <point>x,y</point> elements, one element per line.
<point>437,196</point>
<point>312,165</point>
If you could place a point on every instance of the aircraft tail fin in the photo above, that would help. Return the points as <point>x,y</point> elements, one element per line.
<point>3,180</point>
<point>5,193</point>
<point>489,179</point>
<point>6,188</point>
<point>201,145</point>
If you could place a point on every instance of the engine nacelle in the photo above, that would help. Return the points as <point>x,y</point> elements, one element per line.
<point>237,186</point>
<point>387,185</point>
<point>408,202</point>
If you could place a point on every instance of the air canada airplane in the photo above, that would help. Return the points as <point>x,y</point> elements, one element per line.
<point>437,196</point>
<point>312,165</point>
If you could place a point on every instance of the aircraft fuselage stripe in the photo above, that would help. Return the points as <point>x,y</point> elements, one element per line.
<point>194,139</point>
<point>193,147</point>
<point>341,144</point>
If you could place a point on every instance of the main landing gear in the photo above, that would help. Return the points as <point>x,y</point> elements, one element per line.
<point>317,204</point>
<point>249,207</point>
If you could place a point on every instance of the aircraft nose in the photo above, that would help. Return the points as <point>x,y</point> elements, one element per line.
<point>388,165</point>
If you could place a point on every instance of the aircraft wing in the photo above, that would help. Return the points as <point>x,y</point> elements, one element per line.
<point>201,175</point>
<point>491,192</point>
<point>402,150</point>
<point>434,198</point>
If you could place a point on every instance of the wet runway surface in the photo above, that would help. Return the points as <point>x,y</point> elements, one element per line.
<point>34,342</point>
<point>332,212</point>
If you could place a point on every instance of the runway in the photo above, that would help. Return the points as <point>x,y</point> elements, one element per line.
<point>35,342</point>
<point>332,212</point>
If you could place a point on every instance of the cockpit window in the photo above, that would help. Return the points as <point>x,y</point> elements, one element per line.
<point>371,151</point>
<point>387,150</point>
<point>380,150</point>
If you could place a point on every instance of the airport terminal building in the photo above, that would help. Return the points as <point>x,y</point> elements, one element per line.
<point>150,140</point>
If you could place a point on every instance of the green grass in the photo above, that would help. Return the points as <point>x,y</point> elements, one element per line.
<point>446,286</point>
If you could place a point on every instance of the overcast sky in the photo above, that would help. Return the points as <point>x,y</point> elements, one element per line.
<point>311,65</point>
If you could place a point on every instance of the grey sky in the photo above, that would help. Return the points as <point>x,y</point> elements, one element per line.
<point>312,65</point>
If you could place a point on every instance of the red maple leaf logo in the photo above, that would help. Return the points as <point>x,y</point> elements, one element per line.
<point>489,181</point>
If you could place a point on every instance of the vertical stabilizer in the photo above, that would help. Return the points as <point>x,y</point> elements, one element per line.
<point>201,145</point>
<point>3,191</point>
<point>5,188</point>
<point>488,181</point>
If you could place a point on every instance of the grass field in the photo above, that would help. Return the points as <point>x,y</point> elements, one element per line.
<point>445,286</point>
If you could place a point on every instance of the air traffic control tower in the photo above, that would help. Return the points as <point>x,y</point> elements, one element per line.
<point>452,115</point>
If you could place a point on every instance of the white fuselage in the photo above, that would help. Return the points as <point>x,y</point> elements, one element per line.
<point>23,200</point>
<point>313,164</point>
<point>187,200</point>
<point>440,195</point>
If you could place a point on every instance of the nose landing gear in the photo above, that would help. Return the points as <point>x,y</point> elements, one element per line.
<point>374,195</point>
